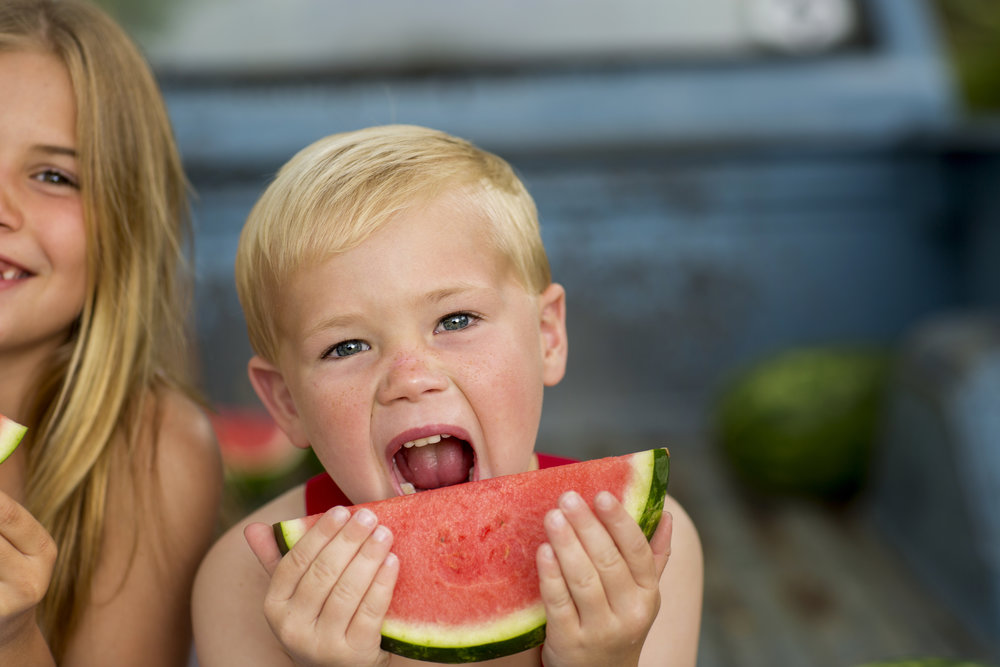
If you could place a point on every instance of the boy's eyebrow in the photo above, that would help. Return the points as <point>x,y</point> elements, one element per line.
<point>348,319</point>
<point>438,295</point>
<point>333,322</point>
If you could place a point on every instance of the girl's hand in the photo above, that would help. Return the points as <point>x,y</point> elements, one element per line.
<point>27,556</point>
<point>328,596</point>
<point>599,580</point>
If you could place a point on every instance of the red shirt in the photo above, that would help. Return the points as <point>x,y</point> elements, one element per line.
<point>322,492</point>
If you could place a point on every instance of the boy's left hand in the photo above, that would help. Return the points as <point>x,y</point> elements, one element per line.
<point>599,580</point>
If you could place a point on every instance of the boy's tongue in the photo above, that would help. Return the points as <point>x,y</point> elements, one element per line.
<point>431,466</point>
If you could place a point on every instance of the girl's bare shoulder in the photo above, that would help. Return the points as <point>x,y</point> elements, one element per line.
<point>185,432</point>
<point>177,465</point>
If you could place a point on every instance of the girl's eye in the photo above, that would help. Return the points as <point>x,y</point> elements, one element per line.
<point>347,348</point>
<point>456,322</point>
<point>55,177</point>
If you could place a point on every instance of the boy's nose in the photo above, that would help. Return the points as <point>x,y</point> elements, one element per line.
<point>410,377</point>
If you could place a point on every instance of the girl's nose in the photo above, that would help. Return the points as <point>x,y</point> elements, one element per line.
<point>411,377</point>
<point>10,214</point>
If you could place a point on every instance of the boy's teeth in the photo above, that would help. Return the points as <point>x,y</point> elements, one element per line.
<point>408,488</point>
<point>429,440</point>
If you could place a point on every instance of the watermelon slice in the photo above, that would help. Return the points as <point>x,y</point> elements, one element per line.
<point>10,435</point>
<point>252,445</point>
<point>468,585</point>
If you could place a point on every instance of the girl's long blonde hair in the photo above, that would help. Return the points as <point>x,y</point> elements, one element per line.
<point>129,340</point>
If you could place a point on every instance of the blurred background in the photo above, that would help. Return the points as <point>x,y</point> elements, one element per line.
<point>778,223</point>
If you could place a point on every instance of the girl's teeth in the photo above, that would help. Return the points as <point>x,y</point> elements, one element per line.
<point>429,440</point>
<point>11,274</point>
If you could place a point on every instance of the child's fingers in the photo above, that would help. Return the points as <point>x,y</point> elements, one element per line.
<point>661,541</point>
<point>630,544</point>
<point>260,537</point>
<point>578,569</point>
<point>357,575</point>
<point>560,609</point>
<point>371,609</point>
<point>27,557</point>
<point>292,567</point>
<point>616,547</point>
<point>21,530</point>
<point>325,575</point>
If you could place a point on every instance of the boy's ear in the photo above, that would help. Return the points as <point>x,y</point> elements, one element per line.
<point>273,392</point>
<point>555,346</point>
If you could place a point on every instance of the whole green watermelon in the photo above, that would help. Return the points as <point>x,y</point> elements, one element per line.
<point>804,421</point>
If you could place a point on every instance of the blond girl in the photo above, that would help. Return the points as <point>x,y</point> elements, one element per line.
<point>110,502</point>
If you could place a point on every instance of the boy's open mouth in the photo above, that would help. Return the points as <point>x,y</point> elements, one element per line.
<point>433,462</point>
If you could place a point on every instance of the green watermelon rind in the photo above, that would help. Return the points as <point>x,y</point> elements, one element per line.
<point>453,655</point>
<point>643,500</point>
<point>658,474</point>
<point>287,533</point>
<point>516,633</point>
<point>10,436</point>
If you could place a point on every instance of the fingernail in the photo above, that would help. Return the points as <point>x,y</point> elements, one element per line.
<point>340,513</point>
<point>381,534</point>
<point>556,519</point>
<point>604,500</point>
<point>571,500</point>
<point>366,517</point>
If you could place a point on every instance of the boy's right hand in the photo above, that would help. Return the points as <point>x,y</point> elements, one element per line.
<point>328,596</point>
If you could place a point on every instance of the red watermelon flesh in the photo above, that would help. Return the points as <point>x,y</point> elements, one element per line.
<point>252,445</point>
<point>468,585</point>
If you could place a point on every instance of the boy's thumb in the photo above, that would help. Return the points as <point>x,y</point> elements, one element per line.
<point>260,537</point>
<point>660,542</point>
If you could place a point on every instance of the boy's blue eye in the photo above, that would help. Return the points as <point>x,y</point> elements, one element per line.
<point>347,348</point>
<point>456,321</point>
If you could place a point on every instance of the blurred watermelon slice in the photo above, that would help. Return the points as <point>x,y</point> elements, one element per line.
<point>252,445</point>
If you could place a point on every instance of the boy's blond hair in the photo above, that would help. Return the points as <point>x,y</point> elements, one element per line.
<point>335,193</point>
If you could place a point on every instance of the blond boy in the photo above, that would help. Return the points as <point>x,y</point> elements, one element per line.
<point>405,324</point>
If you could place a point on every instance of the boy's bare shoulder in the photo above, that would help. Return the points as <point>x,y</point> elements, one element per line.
<point>677,627</point>
<point>231,554</point>
<point>231,585</point>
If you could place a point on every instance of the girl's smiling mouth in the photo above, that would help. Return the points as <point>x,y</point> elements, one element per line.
<point>9,271</point>
<point>432,461</point>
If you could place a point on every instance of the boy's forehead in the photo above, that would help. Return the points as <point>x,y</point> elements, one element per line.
<point>441,237</point>
<point>448,211</point>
